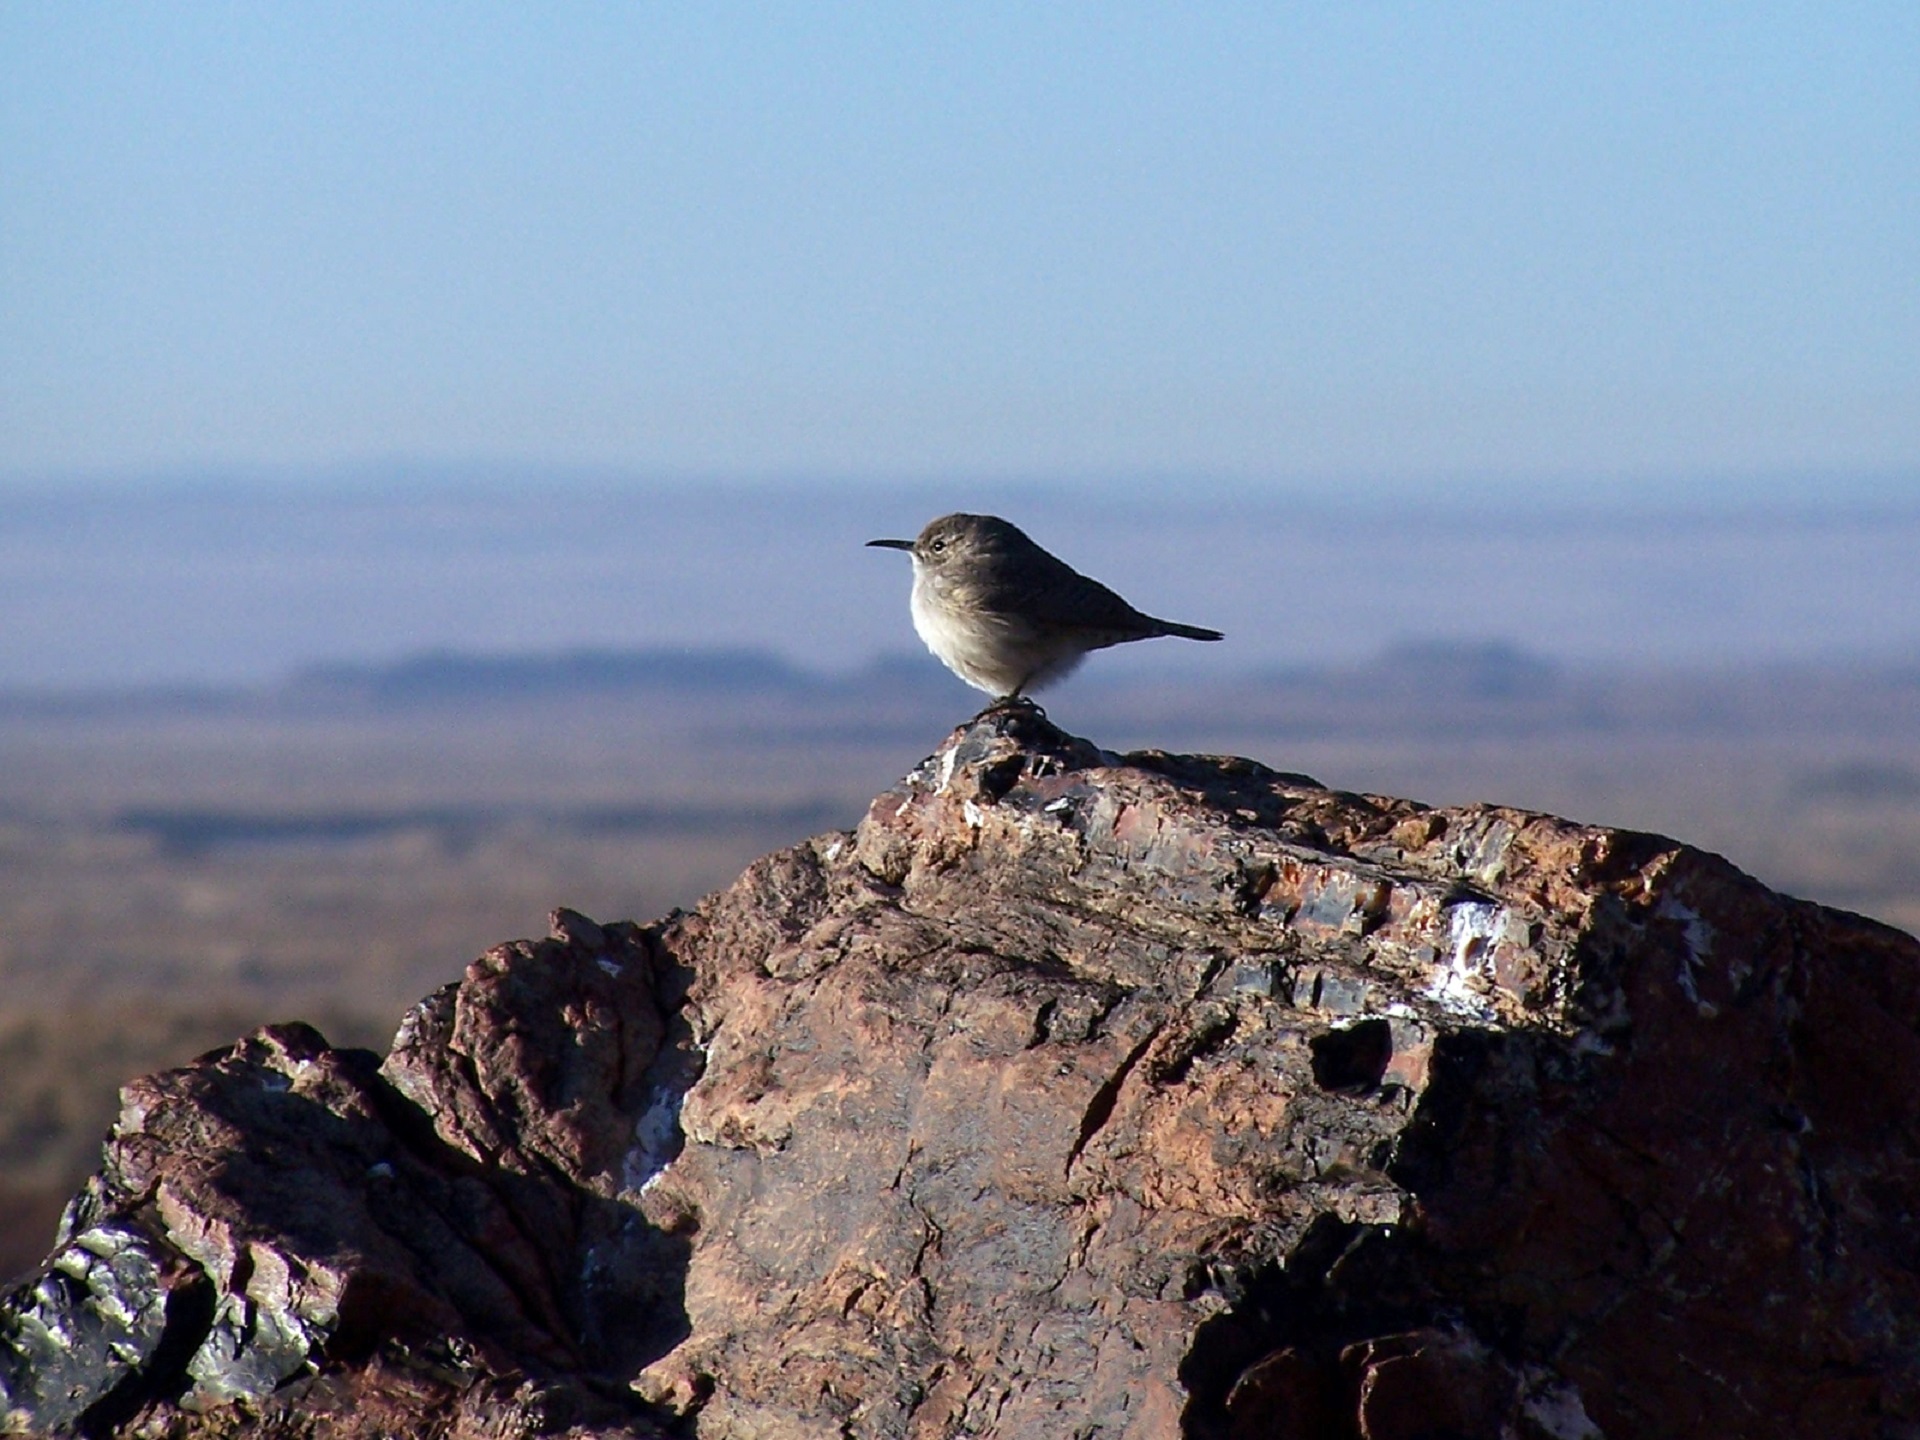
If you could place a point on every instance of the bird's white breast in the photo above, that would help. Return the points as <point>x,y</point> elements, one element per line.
<point>990,652</point>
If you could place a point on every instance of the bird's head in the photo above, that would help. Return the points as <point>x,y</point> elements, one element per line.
<point>958,539</point>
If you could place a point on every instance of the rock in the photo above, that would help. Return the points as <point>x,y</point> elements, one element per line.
<point>1072,1094</point>
<point>325,1246</point>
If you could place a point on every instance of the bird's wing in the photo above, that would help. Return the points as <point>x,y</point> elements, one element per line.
<point>1052,592</point>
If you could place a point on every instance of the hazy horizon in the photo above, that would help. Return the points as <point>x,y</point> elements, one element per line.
<point>248,582</point>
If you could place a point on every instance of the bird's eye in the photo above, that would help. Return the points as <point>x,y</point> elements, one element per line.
<point>937,546</point>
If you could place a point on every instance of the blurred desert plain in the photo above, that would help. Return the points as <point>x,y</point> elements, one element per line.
<point>254,767</point>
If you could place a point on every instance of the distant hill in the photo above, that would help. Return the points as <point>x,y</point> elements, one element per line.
<point>1490,669</point>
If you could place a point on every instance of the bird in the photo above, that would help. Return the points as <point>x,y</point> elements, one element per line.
<point>1006,616</point>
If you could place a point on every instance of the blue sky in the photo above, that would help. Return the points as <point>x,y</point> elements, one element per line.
<point>1418,246</point>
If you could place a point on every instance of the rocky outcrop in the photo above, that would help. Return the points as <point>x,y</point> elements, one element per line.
<point>286,1238</point>
<point>1072,1094</point>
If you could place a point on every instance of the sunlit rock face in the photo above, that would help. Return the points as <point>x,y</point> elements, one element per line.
<point>1071,1094</point>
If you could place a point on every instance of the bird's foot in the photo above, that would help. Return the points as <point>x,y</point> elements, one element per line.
<point>1012,705</point>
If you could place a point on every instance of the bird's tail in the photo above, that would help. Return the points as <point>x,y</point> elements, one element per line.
<point>1187,632</point>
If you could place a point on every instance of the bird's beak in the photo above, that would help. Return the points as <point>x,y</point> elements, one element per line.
<point>892,544</point>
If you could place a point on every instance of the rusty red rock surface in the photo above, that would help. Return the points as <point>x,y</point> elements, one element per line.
<point>1071,1094</point>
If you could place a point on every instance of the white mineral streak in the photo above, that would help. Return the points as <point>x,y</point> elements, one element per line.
<point>1699,938</point>
<point>653,1136</point>
<point>1461,982</point>
<point>1555,1407</point>
<point>948,763</point>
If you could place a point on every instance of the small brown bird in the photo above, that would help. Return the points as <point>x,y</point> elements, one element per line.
<point>1007,617</point>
